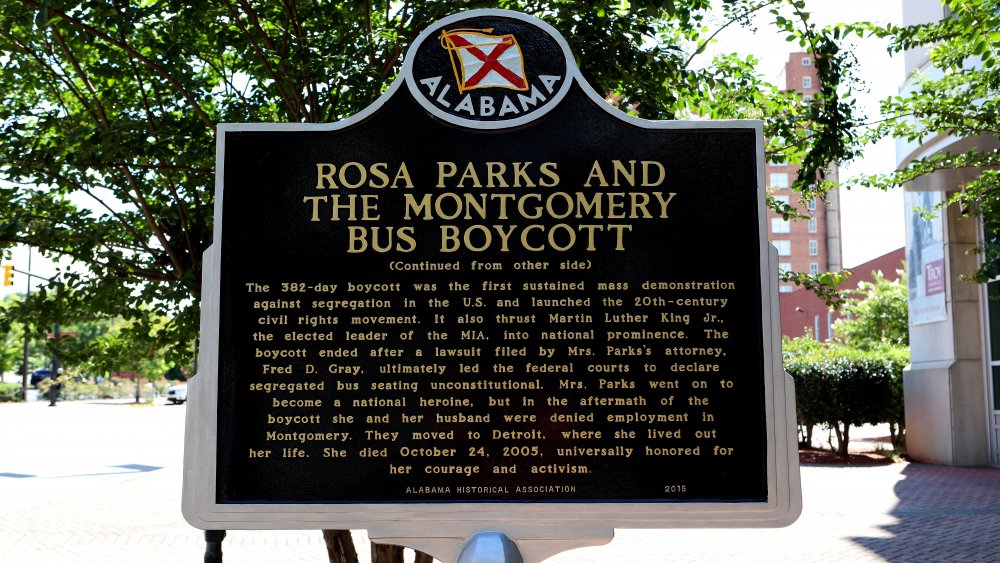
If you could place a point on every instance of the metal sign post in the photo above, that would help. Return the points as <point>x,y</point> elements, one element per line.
<point>490,547</point>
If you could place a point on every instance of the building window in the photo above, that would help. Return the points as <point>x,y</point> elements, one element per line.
<point>807,61</point>
<point>784,247</point>
<point>781,199</point>
<point>813,268</point>
<point>779,179</point>
<point>784,267</point>
<point>812,225</point>
<point>779,225</point>
<point>807,98</point>
<point>813,248</point>
<point>812,204</point>
<point>807,82</point>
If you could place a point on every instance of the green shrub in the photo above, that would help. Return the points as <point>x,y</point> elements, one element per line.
<point>794,347</point>
<point>842,387</point>
<point>10,392</point>
<point>109,389</point>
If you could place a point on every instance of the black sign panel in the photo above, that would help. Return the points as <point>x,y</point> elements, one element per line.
<point>416,309</point>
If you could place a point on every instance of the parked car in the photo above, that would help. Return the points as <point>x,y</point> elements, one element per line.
<point>40,375</point>
<point>177,394</point>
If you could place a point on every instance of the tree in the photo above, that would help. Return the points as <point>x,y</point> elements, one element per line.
<point>85,347</point>
<point>858,378</point>
<point>11,339</point>
<point>963,100</point>
<point>876,316</point>
<point>13,333</point>
<point>877,320</point>
<point>108,111</point>
<point>128,347</point>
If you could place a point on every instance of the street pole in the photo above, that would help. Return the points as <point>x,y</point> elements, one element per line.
<point>55,360</point>
<point>27,340</point>
<point>56,383</point>
<point>24,366</point>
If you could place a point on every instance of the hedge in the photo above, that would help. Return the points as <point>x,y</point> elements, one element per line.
<point>842,387</point>
<point>10,392</point>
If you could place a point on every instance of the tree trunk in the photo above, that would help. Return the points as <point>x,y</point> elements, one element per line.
<point>809,436</point>
<point>898,434</point>
<point>340,549</point>
<point>340,546</point>
<point>385,553</point>
<point>843,438</point>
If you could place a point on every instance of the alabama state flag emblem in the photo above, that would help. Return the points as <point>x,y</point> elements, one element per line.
<point>482,60</point>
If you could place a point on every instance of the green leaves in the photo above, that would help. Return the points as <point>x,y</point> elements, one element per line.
<point>108,109</point>
<point>826,285</point>
<point>842,387</point>
<point>876,315</point>
<point>958,96</point>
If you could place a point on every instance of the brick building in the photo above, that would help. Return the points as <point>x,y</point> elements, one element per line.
<point>811,246</point>
<point>803,311</point>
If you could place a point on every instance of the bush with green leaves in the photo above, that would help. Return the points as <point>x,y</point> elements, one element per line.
<point>876,315</point>
<point>840,387</point>
<point>109,389</point>
<point>10,392</point>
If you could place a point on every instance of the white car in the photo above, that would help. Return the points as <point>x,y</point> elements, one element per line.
<point>177,394</point>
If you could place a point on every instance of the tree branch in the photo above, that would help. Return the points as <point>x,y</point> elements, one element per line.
<point>153,224</point>
<point>734,19</point>
<point>368,33</point>
<point>156,67</point>
<point>227,80</point>
<point>67,180</point>
<point>302,39</point>
<point>262,57</point>
<point>102,116</point>
<point>48,67</point>
<point>86,166</point>
<point>252,16</point>
<point>155,275</point>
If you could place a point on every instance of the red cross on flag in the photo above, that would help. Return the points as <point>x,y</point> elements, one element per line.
<point>481,60</point>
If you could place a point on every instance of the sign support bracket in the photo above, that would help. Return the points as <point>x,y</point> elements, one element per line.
<point>213,545</point>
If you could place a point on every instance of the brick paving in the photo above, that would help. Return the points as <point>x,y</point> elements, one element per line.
<point>899,512</point>
<point>58,508</point>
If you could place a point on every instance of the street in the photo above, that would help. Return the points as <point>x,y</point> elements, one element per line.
<point>101,482</point>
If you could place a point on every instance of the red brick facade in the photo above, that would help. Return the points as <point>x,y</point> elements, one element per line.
<point>803,244</point>
<point>803,311</point>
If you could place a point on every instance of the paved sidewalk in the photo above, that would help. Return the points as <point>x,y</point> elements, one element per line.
<point>899,512</point>
<point>64,503</point>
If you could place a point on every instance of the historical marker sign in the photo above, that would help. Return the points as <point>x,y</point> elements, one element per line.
<point>490,300</point>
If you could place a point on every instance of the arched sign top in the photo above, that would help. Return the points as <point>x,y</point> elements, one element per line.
<point>489,69</point>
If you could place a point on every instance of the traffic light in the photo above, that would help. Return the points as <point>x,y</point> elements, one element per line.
<point>8,274</point>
